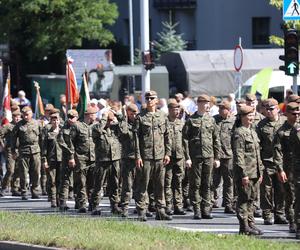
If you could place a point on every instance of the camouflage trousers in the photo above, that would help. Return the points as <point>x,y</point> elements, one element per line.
<point>65,182</point>
<point>83,182</point>
<point>289,196</point>
<point>111,170</point>
<point>12,174</point>
<point>29,164</point>
<point>224,172</point>
<point>154,170</point>
<point>128,180</point>
<point>271,195</point>
<point>54,180</point>
<point>200,177</point>
<point>246,196</point>
<point>173,183</point>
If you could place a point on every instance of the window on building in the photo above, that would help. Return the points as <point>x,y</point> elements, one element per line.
<point>260,30</point>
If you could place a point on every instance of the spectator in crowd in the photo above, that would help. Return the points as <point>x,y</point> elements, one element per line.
<point>21,100</point>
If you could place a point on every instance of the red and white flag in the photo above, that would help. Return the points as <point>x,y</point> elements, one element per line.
<point>72,95</point>
<point>6,116</point>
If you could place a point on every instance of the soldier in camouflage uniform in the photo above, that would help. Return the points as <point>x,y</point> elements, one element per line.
<point>67,171</point>
<point>128,159</point>
<point>201,132</point>
<point>52,157</point>
<point>11,174</point>
<point>225,122</point>
<point>295,146</point>
<point>106,135</point>
<point>283,160</point>
<point>82,157</point>
<point>175,169</point>
<point>251,101</point>
<point>152,151</point>
<point>248,170</point>
<point>272,192</point>
<point>28,133</point>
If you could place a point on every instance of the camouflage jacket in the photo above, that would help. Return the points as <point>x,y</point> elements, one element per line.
<point>51,150</point>
<point>225,129</point>
<point>152,139</point>
<point>179,145</point>
<point>81,142</point>
<point>29,137</point>
<point>282,148</point>
<point>107,140</point>
<point>127,141</point>
<point>201,132</point>
<point>266,131</point>
<point>246,153</point>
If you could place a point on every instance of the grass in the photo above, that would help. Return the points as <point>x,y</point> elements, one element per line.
<point>87,233</point>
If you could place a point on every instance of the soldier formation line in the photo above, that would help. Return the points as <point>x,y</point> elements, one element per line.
<point>167,162</point>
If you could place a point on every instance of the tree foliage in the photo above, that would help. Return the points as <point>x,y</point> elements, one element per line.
<point>38,28</point>
<point>169,40</point>
<point>289,24</point>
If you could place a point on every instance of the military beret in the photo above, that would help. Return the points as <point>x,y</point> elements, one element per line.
<point>14,108</point>
<point>203,98</point>
<point>292,106</point>
<point>225,104</point>
<point>240,101</point>
<point>72,113</point>
<point>173,105</point>
<point>16,112</point>
<point>54,111</point>
<point>250,97</point>
<point>151,93</point>
<point>270,102</point>
<point>54,115</point>
<point>26,109</point>
<point>49,107</point>
<point>293,98</point>
<point>244,110</point>
<point>91,110</point>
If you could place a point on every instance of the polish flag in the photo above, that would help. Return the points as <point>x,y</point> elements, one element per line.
<point>72,95</point>
<point>6,116</point>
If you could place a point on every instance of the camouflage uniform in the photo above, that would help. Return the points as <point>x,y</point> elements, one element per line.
<point>225,127</point>
<point>128,165</point>
<point>295,146</point>
<point>29,136</point>
<point>246,163</point>
<point>152,144</point>
<point>204,146</point>
<point>11,176</point>
<point>52,155</point>
<point>175,169</point>
<point>66,171</point>
<point>108,155</point>
<point>82,149</point>
<point>270,186</point>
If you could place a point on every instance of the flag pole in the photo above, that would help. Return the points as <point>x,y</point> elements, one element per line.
<point>69,88</point>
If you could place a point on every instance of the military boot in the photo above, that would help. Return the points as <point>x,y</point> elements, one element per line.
<point>245,229</point>
<point>116,210</point>
<point>169,211</point>
<point>292,227</point>
<point>280,220</point>
<point>197,214</point>
<point>254,228</point>
<point>141,215</point>
<point>298,233</point>
<point>161,215</point>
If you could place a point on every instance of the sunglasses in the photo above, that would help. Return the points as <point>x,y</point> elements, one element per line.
<point>150,98</point>
<point>295,114</point>
<point>270,109</point>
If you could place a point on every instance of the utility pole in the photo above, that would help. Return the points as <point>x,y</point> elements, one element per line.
<point>145,44</point>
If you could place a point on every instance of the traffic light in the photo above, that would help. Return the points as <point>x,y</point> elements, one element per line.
<point>291,53</point>
<point>148,60</point>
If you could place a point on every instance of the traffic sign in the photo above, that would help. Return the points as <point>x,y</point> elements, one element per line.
<point>291,10</point>
<point>238,58</point>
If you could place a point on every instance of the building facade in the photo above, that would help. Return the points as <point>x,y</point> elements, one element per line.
<point>205,24</point>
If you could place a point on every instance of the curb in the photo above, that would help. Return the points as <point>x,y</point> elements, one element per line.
<point>14,245</point>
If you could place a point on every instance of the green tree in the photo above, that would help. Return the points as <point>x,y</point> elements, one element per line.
<point>289,24</point>
<point>169,40</point>
<point>42,27</point>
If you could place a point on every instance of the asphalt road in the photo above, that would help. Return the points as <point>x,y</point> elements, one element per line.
<point>221,224</point>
